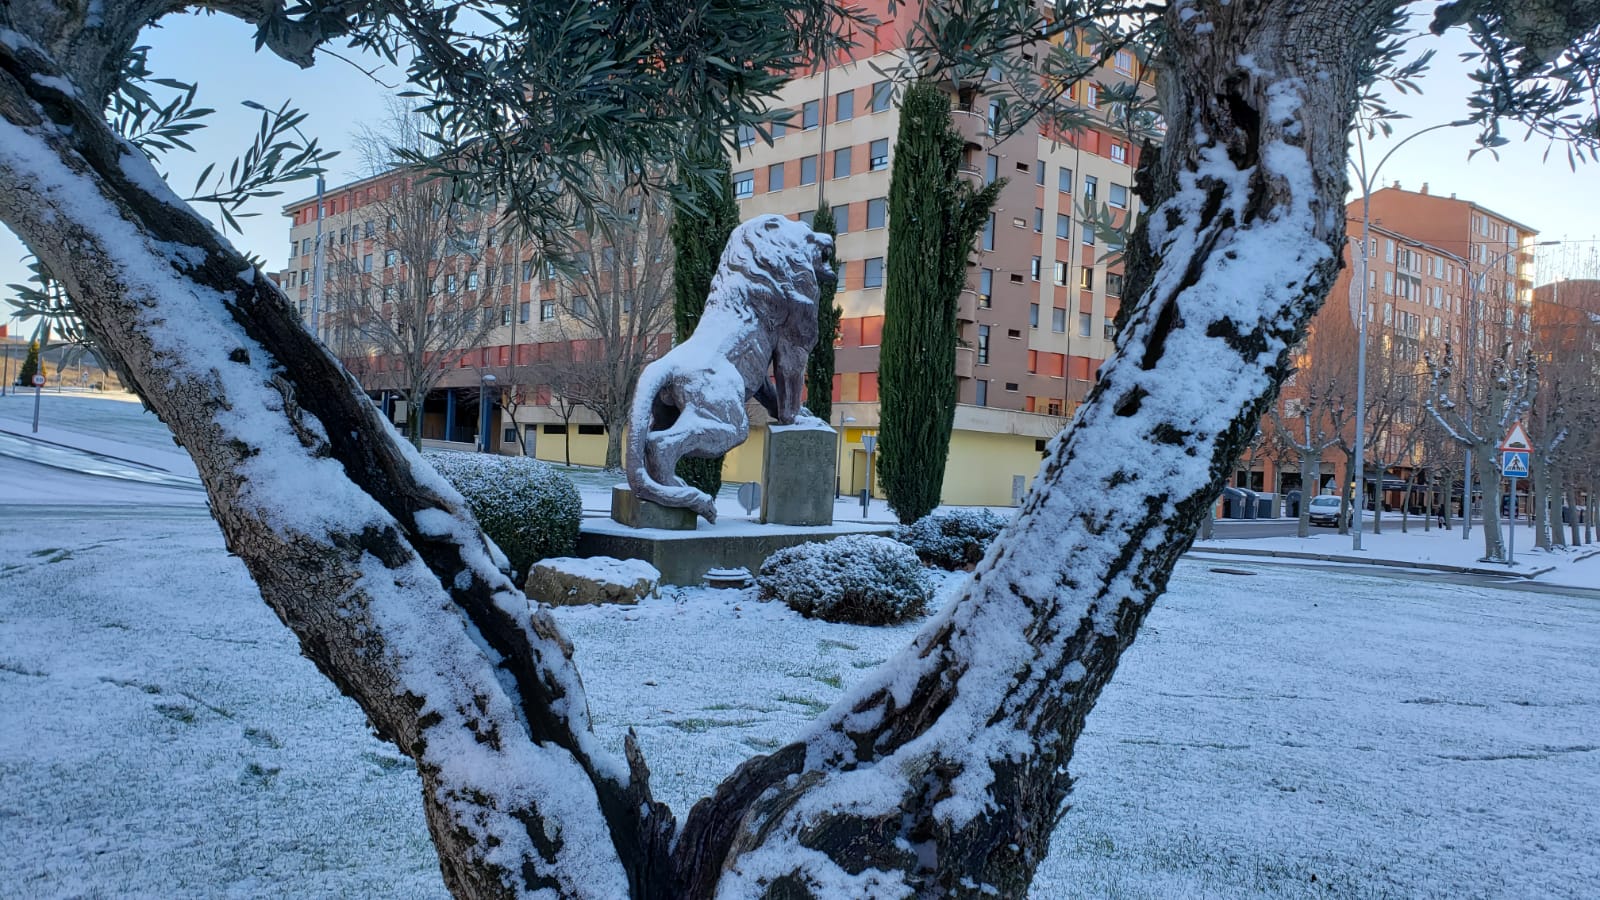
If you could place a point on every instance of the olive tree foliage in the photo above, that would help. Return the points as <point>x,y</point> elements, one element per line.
<point>947,770</point>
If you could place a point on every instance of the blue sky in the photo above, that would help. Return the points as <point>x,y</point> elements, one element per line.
<point>218,52</point>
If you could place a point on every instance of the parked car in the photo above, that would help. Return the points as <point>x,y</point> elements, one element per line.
<point>1324,509</point>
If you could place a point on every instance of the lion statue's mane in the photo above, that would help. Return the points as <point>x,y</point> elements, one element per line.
<point>760,316</point>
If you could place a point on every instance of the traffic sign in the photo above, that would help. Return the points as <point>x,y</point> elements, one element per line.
<point>1516,439</point>
<point>1514,463</point>
<point>38,381</point>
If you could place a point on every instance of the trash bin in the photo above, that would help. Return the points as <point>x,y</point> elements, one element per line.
<point>1266,506</point>
<point>1247,503</point>
<point>1233,503</point>
<point>1291,504</point>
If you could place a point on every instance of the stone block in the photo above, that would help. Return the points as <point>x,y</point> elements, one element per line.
<point>799,470</point>
<point>568,581</point>
<point>628,509</point>
<point>684,557</point>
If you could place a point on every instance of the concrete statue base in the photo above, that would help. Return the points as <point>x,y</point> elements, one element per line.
<point>799,470</point>
<point>684,557</point>
<point>629,509</point>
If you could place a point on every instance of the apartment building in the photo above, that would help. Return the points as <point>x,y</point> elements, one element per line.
<point>1036,317</point>
<point>1043,287</point>
<point>1438,270</point>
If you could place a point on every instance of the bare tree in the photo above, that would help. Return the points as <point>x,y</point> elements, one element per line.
<point>1315,396</point>
<point>409,294</point>
<point>615,298</point>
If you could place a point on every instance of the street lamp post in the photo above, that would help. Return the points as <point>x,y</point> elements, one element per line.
<point>483,412</point>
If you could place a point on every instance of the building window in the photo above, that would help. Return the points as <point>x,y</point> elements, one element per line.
<point>877,212</point>
<point>844,106</point>
<point>873,278</point>
<point>450,284</point>
<point>1086,278</point>
<point>878,155</point>
<point>809,115</point>
<point>981,397</point>
<point>991,169</point>
<point>775,177</point>
<point>1038,173</point>
<point>505,314</point>
<point>1091,185</point>
<point>1033,315</point>
<point>1119,152</point>
<point>882,95</point>
<point>841,218</point>
<point>1388,282</point>
<point>983,345</point>
<point>994,116</point>
<point>747,135</point>
<point>744,184</point>
<point>1064,180</point>
<point>809,217</point>
<point>1091,96</point>
<point>1085,324</point>
<point>524,310</point>
<point>1038,220</point>
<point>988,233</point>
<point>1064,226</point>
<point>808,170</point>
<point>547,310</point>
<point>1088,234</point>
<point>472,281</point>
<point>1123,61</point>
<point>1058,320</point>
<point>1110,328</point>
<point>985,287</point>
<point>1119,196</point>
<point>1061,272</point>
<point>841,162</point>
<point>366,263</point>
<point>1033,268</point>
<point>1113,284</point>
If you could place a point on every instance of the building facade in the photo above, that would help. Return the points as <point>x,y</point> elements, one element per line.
<point>1036,318</point>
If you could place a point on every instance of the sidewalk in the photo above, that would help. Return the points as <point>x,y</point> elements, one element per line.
<point>1435,550</point>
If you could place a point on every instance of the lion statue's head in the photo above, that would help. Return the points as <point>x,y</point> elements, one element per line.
<point>783,255</point>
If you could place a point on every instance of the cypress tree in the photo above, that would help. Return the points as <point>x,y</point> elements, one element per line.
<point>704,215</point>
<point>30,366</point>
<point>934,216</point>
<point>819,365</point>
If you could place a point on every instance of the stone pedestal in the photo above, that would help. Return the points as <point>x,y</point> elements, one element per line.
<point>636,513</point>
<point>799,471</point>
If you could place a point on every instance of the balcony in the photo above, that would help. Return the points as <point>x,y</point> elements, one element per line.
<point>967,306</point>
<point>966,357</point>
<point>972,126</point>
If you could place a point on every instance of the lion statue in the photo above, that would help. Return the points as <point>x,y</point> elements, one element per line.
<point>760,317</point>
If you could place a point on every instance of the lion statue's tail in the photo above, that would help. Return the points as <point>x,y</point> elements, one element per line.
<point>637,466</point>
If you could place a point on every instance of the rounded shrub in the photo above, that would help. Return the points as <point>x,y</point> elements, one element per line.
<point>857,579</point>
<point>951,538</point>
<point>528,509</point>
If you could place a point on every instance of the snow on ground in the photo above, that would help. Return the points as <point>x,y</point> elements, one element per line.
<point>1578,566</point>
<point>159,733</point>
<point>1288,733</point>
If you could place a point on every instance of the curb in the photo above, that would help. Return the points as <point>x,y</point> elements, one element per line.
<point>76,449</point>
<point>1391,563</point>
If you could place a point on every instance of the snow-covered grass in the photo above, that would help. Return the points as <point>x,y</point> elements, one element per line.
<point>160,735</point>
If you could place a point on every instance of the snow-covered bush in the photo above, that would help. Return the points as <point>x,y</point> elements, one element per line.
<point>859,579</point>
<point>527,508</point>
<point>951,538</point>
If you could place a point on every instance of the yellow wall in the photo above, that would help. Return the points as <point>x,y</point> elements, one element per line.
<point>587,449</point>
<point>743,463</point>
<point>979,469</point>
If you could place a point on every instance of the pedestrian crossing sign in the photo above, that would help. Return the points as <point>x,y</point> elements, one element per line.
<point>1514,463</point>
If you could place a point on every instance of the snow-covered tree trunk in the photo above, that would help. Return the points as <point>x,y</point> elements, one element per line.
<point>946,772</point>
<point>1554,502</point>
<point>1539,500</point>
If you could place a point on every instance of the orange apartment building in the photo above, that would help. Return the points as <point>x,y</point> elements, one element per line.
<point>1437,268</point>
<point>1035,318</point>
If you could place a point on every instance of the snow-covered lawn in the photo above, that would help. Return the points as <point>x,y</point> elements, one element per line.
<point>1282,734</point>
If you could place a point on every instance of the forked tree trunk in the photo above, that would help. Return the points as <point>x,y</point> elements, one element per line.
<point>946,772</point>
